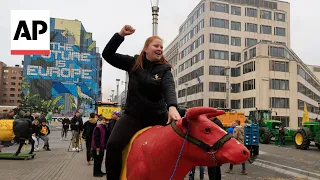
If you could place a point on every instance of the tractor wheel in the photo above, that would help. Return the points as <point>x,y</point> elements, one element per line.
<point>318,145</point>
<point>265,135</point>
<point>301,140</point>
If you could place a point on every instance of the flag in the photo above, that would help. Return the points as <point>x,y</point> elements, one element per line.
<point>199,80</point>
<point>305,114</point>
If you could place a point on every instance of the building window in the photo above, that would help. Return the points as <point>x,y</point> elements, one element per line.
<point>219,38</point>
<point>265,14</point>
<point>265,29</point>
<point>221,23</point>
<point>13,83</point>
<point>236,10</point>
<point>235,26</point>
<point>250,12</point>
<point>235,41</point>
<point>249,102</point>
<point>279,66</point>
<point>280,17</point>
<point>250,42</point>
<point>216,54</point>
<point>217,70</point>
<point>252,53</point>
<point>279,31</point>
<point>311,108</point>
<point>235,56</point>
<point>249,85</point>
<point>219,7</point>
<point>250,27</point>
<point>12,89</point>
<point>11,101</point>
<point>279,84</point>
<point>217,103</point>
<point>236,104</point>
<point>13,78</point>
<point>249,67</point>
<point>276,102</point>
<point>217,87</point>
<point>277,51</point>
<point>11,95</point>
<point>235,88</point>
<point>235,72</point>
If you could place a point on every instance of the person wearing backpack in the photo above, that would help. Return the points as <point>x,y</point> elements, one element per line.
<point>238,134</point>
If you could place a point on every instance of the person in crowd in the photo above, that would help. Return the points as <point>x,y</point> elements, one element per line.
<point>151,98</point>
<point>88,128</point>
<point>238,134</point>
<point>29,116</point>
<point>44,132</point>
<point>193,171</point>
<point>65,127</point>
<point>214,172</point>
<point>35,133</point>
<point>76,128</point>
<point>99,141</point>
<point>114,118</point>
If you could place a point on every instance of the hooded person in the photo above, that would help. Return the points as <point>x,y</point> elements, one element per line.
<point>88,128</point>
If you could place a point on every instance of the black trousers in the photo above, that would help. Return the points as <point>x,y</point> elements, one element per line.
<point>121,135</point>
<point>88,147</point>
<point>97,161</point>
<point>214,173</point>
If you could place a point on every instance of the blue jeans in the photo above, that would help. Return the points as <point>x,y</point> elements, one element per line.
<point>192,172</point>
<point>243,166</point>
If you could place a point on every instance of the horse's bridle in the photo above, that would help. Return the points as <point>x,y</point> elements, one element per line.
<point>206,147</point>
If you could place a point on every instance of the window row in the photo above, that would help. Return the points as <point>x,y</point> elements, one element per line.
<point>279,84</point>
<point>302,73</point>
<point>190,62</point>
<point>192,18</point>
<point>191,33</point>
<point>191,90</point>
<point>250,12</point>
<point>224,55</point>
<point>192,75</point>
<point>192,47</point>
<point>307,92</point>
<point>249,27</point>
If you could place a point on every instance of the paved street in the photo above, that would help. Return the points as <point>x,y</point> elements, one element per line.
<point>59,164</point>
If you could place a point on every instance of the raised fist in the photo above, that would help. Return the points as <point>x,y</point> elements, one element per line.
<point>127,30</point>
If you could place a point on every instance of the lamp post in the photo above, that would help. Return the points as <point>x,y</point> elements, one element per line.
<point>185,101</point>
<point>112,99</point>
<point>117,80</point>
<point>227,74</point>
<point>155,14</point>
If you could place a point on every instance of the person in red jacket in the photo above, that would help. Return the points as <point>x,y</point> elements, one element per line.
<point>99,141</point>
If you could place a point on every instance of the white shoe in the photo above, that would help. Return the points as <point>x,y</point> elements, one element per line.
<point>77,149</point>
<point>65,139</point>
<point>73,149</point>
<point>61,139</point>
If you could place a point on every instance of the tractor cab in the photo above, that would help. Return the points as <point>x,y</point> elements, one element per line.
<point>268,128</point>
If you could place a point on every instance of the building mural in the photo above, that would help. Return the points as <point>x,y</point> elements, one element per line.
<point>69,78</point>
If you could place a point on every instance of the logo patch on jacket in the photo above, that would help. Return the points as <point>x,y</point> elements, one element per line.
<point>156,77</point>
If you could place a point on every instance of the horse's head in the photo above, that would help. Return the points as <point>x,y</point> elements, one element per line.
<point>208,144</point>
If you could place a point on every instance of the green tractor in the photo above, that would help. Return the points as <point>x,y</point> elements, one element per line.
<point>310,131</point>
<point>268,128</point>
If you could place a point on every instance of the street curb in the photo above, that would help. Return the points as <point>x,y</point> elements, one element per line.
<point>287,170</point>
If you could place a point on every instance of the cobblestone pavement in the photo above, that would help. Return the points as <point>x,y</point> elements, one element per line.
<point>59,164</point>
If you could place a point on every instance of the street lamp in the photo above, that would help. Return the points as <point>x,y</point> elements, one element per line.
<point>117,80</point>
<point>112,99</point>
<point>227,74</point>
<point>185,101</point>
<point>155,14</point>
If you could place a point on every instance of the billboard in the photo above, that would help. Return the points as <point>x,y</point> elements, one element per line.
<point>67,79</point>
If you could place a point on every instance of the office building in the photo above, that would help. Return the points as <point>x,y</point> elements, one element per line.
<point>244,45</point>
<point>10,85</point>
<point>68,79</point>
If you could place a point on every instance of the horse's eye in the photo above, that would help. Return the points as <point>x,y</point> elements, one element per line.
<point>207,130</point>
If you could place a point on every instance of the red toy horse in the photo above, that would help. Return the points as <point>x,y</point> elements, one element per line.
<point>169,153</point>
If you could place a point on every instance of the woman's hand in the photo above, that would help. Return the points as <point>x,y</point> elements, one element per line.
<point>127,30</point>
<point>173,114</point>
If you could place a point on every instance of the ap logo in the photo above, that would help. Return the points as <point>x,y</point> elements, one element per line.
<point>30,32</point>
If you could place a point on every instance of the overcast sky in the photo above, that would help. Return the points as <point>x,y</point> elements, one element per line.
<point>105,17</point>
